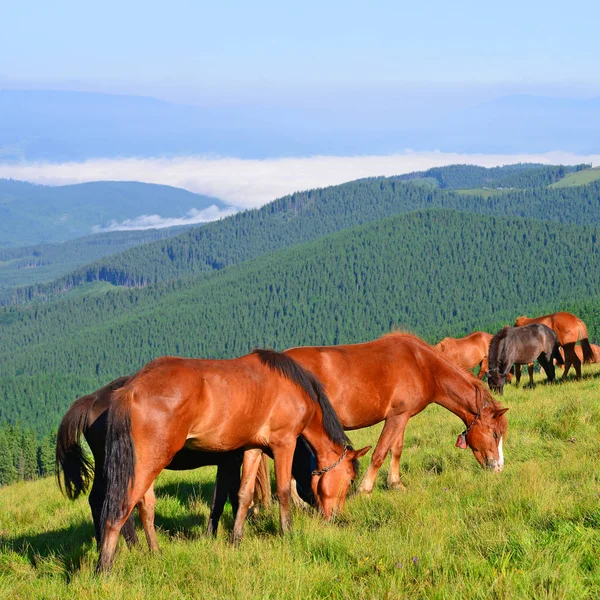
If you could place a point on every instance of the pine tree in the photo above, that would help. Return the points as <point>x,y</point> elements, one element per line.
<point>8,473</point>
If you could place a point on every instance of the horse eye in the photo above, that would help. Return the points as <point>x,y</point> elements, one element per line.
<point>495,435</point>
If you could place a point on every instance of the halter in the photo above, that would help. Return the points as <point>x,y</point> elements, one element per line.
<point>335,464</point>
<point>477,416</point>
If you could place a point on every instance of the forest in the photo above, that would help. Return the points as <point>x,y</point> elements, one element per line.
<point>298,274</point>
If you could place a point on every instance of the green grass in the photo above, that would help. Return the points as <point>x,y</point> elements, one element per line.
<point>458,532</point>
<point>580,178</point>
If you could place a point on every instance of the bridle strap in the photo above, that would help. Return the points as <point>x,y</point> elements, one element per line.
<point>477,416</point>
<point>335,464</point>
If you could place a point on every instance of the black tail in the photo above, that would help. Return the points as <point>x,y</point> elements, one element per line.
<point>588,353</point>
<point>119,463</point>
<point>289,368</point>
<point>75,465</point>
<point>556,355</point>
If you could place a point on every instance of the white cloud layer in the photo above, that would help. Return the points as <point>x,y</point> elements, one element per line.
<point>248,183</point>
<point>194,216</point>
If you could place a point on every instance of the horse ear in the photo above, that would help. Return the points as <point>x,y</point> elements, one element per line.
<point>361,452</point>
<point>500,412</point>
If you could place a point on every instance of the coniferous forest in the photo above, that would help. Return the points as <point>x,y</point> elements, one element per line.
<point>338,265</point>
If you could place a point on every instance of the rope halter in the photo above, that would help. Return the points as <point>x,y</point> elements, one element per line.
<point>477,416</point>
<point>335,464</point>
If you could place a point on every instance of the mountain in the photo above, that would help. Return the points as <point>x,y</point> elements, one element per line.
<point>434,272</point>
<point>33,214</point>
<point>307,216</point>
<point>57,126</point>
<point>28,265</point>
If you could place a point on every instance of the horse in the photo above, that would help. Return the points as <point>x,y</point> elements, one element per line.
<point>579,352</point>
<point>394,378</point>
<point>263,400</point>
<point>570,330</point>
<point>521,345</point>
<point>74,471</point>
<point>467,352</point>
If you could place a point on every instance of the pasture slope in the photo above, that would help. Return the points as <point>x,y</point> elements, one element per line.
<point>458,532</point>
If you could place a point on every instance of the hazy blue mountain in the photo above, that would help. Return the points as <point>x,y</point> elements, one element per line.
<point>32,214</point>
<point>64,125</point>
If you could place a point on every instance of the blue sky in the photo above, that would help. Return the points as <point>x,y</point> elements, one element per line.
<point>241,51</point>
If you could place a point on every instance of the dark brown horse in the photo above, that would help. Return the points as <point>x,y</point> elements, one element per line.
<point>87,417</point>
<point>393,379</point>
<point>467,352</point>
<point>264,400</point>
<point>521,346</point>
<point>570,330</point>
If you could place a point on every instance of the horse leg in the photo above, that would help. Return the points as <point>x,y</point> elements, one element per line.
<point>571,358</point>
<point>249,470</point>
<point>226,484</point>
<point>142,481</point>
<point>530,371</point>
<point>518,374</point>
<point>390,432</point>
<point>548,366</point>
<point>145,507</point>
<point>283,455</point>
<point>394,482</point>
<point>483,368</point>
<point>295,496</point>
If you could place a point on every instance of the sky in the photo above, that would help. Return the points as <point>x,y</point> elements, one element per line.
<point>206,52</point>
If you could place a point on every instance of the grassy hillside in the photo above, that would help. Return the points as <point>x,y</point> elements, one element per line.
<point>532,531</point>
<point>311,215</point>
<point>36,214</point>
<point>435,272</point>
<point>579,178</point>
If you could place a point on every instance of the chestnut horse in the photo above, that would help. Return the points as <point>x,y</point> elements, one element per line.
<point>570,330</point>
<point>467,352</point>
<point>579,352</point>
<point>264,400</point>
<point>87,416</point>
<point>394,378</point>
<point>521,346</point>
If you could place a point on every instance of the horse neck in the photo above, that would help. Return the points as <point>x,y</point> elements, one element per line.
<point>326,450</point>
<point>458,395</point>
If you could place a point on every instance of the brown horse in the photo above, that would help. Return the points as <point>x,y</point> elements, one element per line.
<point>264,400</point>
<point>579,352</point>
<point>570,330</point>
<point>467,352</point>
<point>394,378</point>
<point>87,416</point>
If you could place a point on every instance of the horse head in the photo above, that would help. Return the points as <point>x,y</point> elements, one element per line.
<point>331,484</point>
<point>485,437</point>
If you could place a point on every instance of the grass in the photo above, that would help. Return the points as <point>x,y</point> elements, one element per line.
<point>458,532</point>
<point>580,178</point>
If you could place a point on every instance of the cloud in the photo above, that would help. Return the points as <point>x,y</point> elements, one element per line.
<point>248,183</point>
<point>192,217</point>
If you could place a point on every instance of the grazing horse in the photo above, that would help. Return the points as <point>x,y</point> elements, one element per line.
<point>264,400</point>
<point>87,416</point>
<point>579,352</point>
<point>394,378</point>
<point>521,346</point>
<point>467,352</point>
<point>570,330</point>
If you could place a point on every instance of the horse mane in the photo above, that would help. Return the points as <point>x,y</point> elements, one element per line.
<point>290,369</point>
<point>494,346</point>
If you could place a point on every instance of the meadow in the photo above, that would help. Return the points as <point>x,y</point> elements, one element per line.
<point>532,531</point>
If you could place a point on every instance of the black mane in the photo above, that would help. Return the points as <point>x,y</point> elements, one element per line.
<point>494,347</point>
<point>285,365</point>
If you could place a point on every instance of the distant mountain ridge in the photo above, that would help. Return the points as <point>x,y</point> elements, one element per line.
<point>33,214</point>
<point>59,126</point>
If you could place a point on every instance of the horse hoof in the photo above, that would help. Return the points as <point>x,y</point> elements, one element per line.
<point>364,491</point>
<point>397,485</point>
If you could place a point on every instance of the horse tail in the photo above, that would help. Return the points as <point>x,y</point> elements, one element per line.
<point>556,355</point>
<point>71,461</point>
<point>263,483</point>
<point>119,462</point>
<point>292,370</point>
<point>582,334</point>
